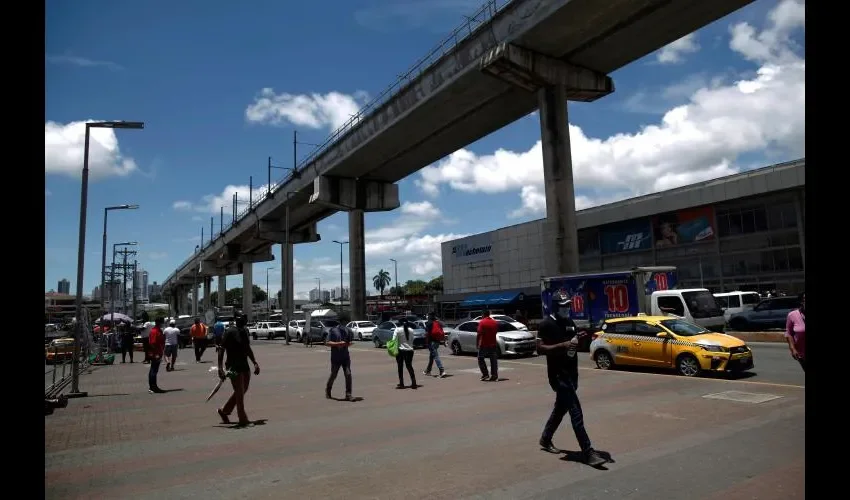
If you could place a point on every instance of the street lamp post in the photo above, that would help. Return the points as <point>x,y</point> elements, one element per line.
<point>340,243</point>
<point>81,249</point>
<point>268,301</point>
<point>103,256</point>
<point>395,267</point>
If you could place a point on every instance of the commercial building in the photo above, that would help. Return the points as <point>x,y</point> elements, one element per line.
<point>740,232</point>
<point>64,287</point>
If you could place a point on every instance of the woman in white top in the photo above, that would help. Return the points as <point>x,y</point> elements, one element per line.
<point>405,355</point>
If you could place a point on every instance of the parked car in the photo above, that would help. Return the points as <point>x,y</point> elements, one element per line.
<point>769,313</point>
<point>506,319</point>
<point>384,332</point>
<point>668,342</point>
<point>736,302</point>
<point>59,350</point>
<point>296,329</point>
<point>320,328</point>
<point>510,339</point>
<point>267,329</point>
<point>361,330</point>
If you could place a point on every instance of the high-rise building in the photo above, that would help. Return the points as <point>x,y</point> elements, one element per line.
<point>95,294</point>
<point>140,283</point>
<point>154,289</point>
<point>64,286</point>
<point>337,293</point>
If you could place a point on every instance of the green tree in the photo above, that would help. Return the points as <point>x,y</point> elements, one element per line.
<point>415,287</point>
<point>381,281</point>
<point>435,285</point>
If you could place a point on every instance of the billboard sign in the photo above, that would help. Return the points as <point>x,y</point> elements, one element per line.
<point>626,236</point>
<point>685,226</point>
<point>472,249</point>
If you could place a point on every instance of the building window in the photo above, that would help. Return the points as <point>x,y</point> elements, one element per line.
<point>782,216</point>
<point>795,259</point>
<point>736,221</point>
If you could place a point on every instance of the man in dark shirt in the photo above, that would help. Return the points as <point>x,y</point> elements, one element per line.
<point>236,343</point>
<point>488,347</point>
<point>339,338</point>
<point>557,339</point>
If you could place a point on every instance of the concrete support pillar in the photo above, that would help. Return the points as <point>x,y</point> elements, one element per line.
<point>287,280</point>
<point>222,291</point>
<point>561,240</point>
<point>248,290</point>
<point>357,264</point>
<point>207,292</point>
<point>195,288</point>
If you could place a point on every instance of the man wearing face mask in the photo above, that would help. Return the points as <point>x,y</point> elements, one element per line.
<point>558,340</point>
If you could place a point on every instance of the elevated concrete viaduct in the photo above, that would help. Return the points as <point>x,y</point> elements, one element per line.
<point>513,57</point>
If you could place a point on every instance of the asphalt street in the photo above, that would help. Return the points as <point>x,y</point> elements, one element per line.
<point>669,436</point>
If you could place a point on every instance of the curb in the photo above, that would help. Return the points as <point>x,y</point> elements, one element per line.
<point>759,336</point>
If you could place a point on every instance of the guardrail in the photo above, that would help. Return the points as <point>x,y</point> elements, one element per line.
<point>62,372</point>
<point>483,15</point>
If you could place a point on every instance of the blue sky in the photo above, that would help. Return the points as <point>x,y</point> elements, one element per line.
<point>729,97</point>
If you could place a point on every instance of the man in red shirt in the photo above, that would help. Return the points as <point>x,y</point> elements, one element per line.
<point>157,349</point>
<point>487,347</point>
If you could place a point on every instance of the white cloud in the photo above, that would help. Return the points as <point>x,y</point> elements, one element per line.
<point>213,203</point>
<point>674,52</point>
<point>82,62</point>
<point>63,151</point>
<point>315,110</point>
<point>699,140</point>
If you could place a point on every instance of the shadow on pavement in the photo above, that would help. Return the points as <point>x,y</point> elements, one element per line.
<point>672,373</point>
<point>108,395</point>
<point>171,390</point>
<point>352,400</point>
<point>576,456</point>
<point>252,423</point>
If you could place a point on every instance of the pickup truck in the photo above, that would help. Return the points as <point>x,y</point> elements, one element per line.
<point>267,329</point>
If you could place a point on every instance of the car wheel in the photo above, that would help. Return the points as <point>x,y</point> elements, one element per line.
<point>739,324</point>
<point>456,349</point>
<point>688,366</point>
<point>254,335</point>
<point>270,337</point>
<point>324,337</point>
<point>359,336</point>
<point>603,360</point>
<point>377,342</point>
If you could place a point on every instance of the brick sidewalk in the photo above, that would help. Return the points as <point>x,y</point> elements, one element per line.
<point>452,438</point>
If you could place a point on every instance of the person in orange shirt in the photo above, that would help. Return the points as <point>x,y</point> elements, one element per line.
<point>198,333</point>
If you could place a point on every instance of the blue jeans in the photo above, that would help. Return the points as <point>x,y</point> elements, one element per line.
<point>434,355</point>
<point>488,352</point>
<point>154,370</point>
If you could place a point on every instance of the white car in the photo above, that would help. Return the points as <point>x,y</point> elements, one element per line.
<point>510,340</point>
<point>268,329</point>
<point>361,330</point>
<point>506,319</point>
<point>296,329</point>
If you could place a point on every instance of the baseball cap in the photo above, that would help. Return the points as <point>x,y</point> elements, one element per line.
<point>172,322</point>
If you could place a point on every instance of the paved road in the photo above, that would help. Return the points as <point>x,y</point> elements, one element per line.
<point>453,438</point>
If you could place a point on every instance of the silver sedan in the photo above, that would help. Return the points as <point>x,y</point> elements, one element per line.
<point>509,339</point>
<point>385,331</point>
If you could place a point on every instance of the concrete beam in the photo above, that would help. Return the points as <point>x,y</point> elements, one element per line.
<point>532,71</point>
<point>351,194</point>
<point>276,232</point>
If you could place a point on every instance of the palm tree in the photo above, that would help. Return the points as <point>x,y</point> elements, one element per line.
<point>381,281</point>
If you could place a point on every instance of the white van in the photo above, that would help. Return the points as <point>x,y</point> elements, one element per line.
<point>736,302</point>
<point>696,305</point>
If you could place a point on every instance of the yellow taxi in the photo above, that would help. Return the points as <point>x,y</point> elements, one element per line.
<point>668,342</point>
<point>59,350</point>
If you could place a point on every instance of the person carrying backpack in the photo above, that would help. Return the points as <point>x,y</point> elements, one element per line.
<point>434,336</point>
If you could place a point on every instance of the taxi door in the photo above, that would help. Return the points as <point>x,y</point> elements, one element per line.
<point>650,350</point>
<point>621,337</point>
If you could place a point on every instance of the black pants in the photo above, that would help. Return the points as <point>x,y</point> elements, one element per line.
<point>405,357</point>
<point>566,401</point>
<point>152,373</point>
<point>490,353</point>
<point>200,346</point>
<point>346,371</point>
<point>126,348</point>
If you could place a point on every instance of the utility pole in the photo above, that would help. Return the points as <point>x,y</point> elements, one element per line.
<point>135,274</point>
<point>124,266</point>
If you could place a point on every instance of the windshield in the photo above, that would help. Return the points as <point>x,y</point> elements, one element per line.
<point>330,323</point>
<point>274,324</point>
<point>366,324</point>
<point>682,327</point>
<point>702,304</point>
<point>750,299</point>
<point>502,317</point>
<point>301,322</point>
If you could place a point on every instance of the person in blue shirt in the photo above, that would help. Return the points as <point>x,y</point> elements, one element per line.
<point>218,333</point>
<point>339,338</point>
